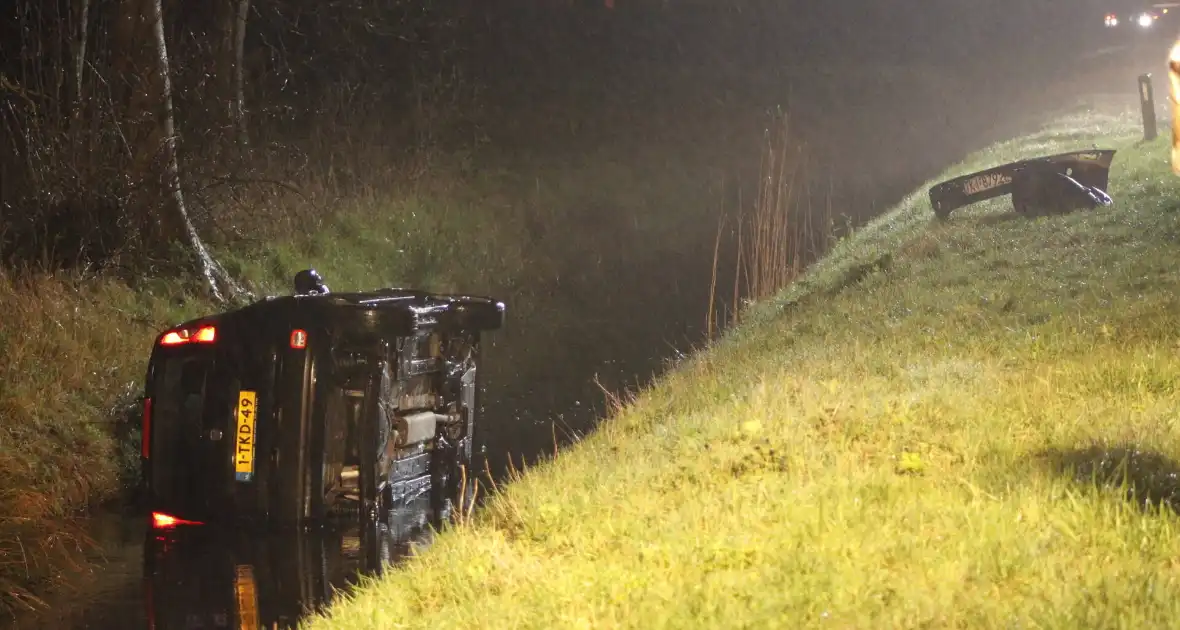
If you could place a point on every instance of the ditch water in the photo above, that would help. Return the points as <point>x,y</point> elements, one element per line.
<point>198,578</point>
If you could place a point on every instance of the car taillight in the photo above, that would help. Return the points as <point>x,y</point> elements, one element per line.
<point>166,521</point>
<point>298,339</point>
<point>146,447</point>
<point>181,336</point>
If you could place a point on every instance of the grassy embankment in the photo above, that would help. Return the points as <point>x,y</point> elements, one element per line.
<point>931,428</point>
<point>73,348</point>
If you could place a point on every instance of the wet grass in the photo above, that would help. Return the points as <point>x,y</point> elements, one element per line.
<point>960,424</point>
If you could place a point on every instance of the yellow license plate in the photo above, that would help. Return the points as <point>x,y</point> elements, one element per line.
<point>246,591</point>
<point>244,441</point>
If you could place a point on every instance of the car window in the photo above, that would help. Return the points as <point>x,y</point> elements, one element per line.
<point>180,393</point>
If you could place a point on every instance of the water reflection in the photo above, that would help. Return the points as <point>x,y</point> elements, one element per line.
<point>196,577</point>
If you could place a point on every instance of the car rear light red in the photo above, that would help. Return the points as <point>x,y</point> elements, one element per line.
<point>165,521</point>
<point>181,336</point>
<point>207,334</point>
<point>173,338</point>
<point>146,446</point>
<point>298,339</point>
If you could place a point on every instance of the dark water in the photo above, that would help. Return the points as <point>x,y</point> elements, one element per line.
<point>198,577</point>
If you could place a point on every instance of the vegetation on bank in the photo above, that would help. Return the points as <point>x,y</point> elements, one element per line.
<point>960,424</point>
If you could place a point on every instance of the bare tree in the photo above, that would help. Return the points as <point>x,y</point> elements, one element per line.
<point>80,50</point>
<point>155,137</point>
<point>229,65</point>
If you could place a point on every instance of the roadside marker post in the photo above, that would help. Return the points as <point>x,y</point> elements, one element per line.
<point>1147,104</point>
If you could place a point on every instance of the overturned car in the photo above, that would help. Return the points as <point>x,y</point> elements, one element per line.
<point>301,407</point>
<point>1054,184</point>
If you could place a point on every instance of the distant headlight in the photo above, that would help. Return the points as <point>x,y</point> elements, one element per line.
<point>1111,21</point>
<point>1145,20</point>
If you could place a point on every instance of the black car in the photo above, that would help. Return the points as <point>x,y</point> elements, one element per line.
<point>301,407</point>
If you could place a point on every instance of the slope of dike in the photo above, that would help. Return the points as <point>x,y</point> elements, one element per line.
<point>969,423</point>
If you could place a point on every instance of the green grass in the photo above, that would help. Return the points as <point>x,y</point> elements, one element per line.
<point>71,350</point>
<point>960,424</point>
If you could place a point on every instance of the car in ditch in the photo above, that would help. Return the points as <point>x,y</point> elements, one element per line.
<point>303,407</point>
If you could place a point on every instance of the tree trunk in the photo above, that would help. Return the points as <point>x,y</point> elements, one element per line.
<point>77,106</point>
<point>142,95</point>
<point>154,138</point>
<point>80,52</point>
<point>239,73</point>
<point>229,70</point>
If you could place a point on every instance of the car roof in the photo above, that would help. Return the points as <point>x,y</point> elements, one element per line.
<point>417,306</point>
